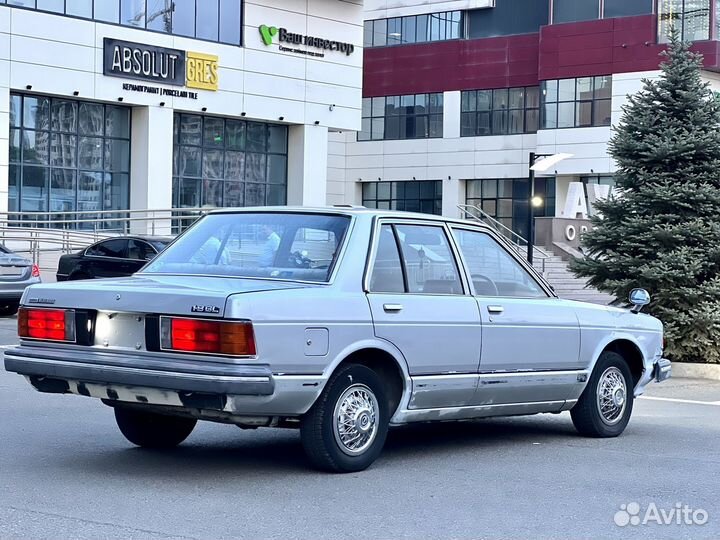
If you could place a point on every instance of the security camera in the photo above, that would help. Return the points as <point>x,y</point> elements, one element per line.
<point>332,107</point>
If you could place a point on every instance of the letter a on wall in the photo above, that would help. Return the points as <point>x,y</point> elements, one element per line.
<point>575,203</point>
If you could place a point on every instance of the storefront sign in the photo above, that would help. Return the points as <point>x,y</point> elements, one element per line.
<point>576,202</point>
<point>160,65</point>
<point>268,34</point>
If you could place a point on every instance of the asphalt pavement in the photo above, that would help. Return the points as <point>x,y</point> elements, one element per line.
<point>67,472</point>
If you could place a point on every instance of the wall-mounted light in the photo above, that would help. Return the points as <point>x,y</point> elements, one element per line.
<point>317,122</point>
<point>162,103</point>
<point>414,178</point>
<point>121,98</point>
<point>243,114</point>
<point>332,107</point>
<point>76,93</point>
<point>537,202</point>
<point>28,87</point>
<point>204,109</point>
<point>281,118</point>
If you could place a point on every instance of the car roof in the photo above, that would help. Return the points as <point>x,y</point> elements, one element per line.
<point>349,210</point>
<point>165,239</point>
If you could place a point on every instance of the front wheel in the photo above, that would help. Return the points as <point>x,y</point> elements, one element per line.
<point>152,430</point>
<point>605,407</point>
<point>346,429</point>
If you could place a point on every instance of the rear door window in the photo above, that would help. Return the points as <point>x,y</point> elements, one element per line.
<point>429,262</point>
<point>116,248</point>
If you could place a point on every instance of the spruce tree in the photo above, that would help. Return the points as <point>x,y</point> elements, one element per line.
<point>662,232</point>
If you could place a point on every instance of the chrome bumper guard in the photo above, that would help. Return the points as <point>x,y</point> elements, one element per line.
<point>662,370</point>
<point>191,375</point>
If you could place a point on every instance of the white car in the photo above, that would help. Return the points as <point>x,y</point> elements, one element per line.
<point>340,322</point>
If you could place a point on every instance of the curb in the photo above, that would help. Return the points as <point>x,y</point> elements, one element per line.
<point>696,371</point>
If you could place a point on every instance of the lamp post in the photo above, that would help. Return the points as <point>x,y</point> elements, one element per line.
<point>539,163</point>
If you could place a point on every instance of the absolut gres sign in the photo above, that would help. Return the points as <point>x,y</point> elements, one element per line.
<point>144,62</point>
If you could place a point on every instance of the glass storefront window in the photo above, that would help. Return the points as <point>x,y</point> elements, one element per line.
<point>690,17</point>
<point>506,200</point>
<point>499,112</point>
<point>222,162</point>
<point>581,102</point>
<point>68,156</point>
<point>402,117</point>
<point>410,196</point>
<point>414,29</point>
<point>211,20</point>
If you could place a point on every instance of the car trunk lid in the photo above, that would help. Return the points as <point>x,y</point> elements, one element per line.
<point>171,295</point>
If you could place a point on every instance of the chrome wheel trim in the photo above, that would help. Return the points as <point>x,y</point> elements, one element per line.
<point>355,419</point>
<point>612,396</point>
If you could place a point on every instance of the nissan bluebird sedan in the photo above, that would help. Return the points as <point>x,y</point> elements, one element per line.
<point>341,322</point>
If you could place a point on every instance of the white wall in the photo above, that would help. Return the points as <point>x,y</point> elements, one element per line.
<point>382,9</point>
<point>465,158</point>
<point>59,56</point>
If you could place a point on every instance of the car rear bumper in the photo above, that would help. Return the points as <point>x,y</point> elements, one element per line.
<point>140,371</point>
<point>13,290</point>
<point>192,383</point>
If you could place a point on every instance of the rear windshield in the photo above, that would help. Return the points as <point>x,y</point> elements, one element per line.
<point>298,247</point>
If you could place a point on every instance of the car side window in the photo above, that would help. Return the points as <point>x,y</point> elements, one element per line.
<point>140,251</point>
<point>493,271</point>
<point>387,274</point>
<point>429,262</point>
<point>116,249</point>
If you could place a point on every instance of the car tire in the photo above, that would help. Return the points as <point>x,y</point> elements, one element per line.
<point>152,430</point>
<point>606,404</point>
<point>346,428</point>
<point>8,309</point>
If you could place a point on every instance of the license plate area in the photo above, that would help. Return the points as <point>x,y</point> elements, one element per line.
<point>120,330</point>
<point>12,271</point>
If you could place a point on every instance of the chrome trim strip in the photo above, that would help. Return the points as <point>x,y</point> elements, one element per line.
<point>476,411</point>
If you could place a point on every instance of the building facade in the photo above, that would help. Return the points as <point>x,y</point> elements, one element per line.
<point>457,94</point>
<point>157,104</point>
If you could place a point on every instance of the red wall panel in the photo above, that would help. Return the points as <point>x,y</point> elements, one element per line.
<point>559,51</point>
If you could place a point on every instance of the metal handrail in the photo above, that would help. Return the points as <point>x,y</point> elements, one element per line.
<point>42,232</point>
<point>513,238</point>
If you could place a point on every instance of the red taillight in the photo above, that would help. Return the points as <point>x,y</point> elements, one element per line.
<point>203,336</point>
<point>35,271</point>
<point>47,324</point>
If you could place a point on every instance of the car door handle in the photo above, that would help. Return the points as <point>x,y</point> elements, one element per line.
<point>392,308</point>
<point>495,309</point>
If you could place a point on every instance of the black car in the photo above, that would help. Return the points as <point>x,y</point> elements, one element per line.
<point>114,257</point>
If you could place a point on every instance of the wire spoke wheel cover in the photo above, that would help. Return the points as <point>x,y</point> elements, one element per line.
<point>612,396</point>
<point>355,419</point>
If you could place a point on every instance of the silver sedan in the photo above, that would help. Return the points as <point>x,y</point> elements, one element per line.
<point>340,322</point>
<point>16,273</point>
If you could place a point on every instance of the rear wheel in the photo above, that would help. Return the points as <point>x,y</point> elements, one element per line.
<point>605,407</point>
<point>346,429</point>
<point>152,430</point>
<point>8,309</point>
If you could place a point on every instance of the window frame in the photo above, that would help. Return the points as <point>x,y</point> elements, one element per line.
<point>557,101</point>
<point>430,115</point>
<point>445,21</point>
<point>476,112</point>
<point>241,22</point>
<point>379,221</point>
<point>501,242</point>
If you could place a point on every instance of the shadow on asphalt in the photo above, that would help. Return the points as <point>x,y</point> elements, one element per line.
<point>263,452</point>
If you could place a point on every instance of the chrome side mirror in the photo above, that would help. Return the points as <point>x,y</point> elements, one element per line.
<point>639,298</point>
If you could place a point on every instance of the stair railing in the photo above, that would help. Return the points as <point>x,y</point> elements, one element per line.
<point>517,242</point>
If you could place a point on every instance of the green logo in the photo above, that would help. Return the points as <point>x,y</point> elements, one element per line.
<point>268,33</point>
